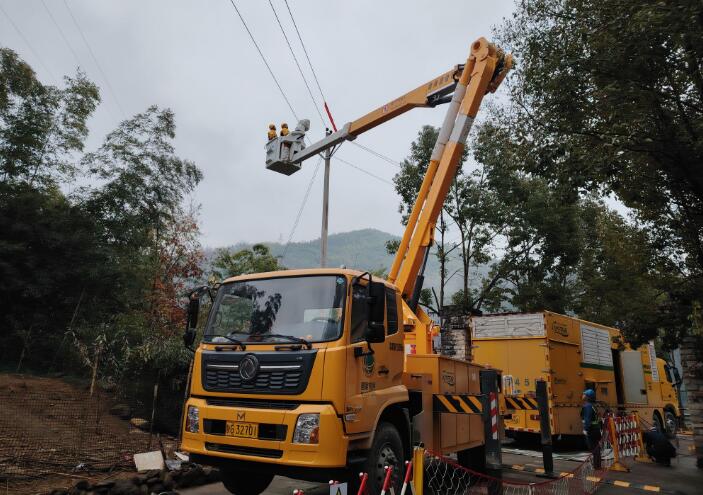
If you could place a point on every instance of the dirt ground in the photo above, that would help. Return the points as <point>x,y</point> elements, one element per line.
<point>53,434</point>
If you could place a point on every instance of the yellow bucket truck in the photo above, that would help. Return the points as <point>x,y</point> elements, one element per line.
<point>320,374</point>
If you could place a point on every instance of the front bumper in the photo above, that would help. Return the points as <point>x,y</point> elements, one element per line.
<point>330,452</point>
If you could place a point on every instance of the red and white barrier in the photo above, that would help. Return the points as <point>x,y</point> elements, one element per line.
<point>494,415</point>
<point>406,480</point>
<point>387,481</point>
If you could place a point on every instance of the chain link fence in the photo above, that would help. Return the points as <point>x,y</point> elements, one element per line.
<point>443,475</point>
<point>49,426</point>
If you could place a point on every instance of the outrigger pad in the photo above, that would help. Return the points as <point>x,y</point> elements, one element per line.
<point>281,151</point>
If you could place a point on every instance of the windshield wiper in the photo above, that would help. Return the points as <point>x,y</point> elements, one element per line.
<point>290,338</point>
<point>232,341</point>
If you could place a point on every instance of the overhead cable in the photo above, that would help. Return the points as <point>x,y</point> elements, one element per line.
<point>29,45</point>
<point>376,153</point>
<point>314,75</point>
<point>63,35</point>
<point>322,94</point>
<point>362,170</point>
<point>261,54</point>
<point>95,60</point>
<point>300,70</point>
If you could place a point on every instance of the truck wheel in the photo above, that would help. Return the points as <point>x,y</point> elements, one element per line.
<point>658,423</point>
<point>670,424</point>
<point>386,450</point>
<point>241,483</point>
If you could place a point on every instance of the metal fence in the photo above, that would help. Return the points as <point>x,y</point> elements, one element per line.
<point>48,426</point>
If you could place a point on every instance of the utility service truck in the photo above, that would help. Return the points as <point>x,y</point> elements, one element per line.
<point>320,374</point>
<point>572,355</point>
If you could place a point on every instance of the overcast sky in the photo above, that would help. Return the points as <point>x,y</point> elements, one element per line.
<point>196,58</point>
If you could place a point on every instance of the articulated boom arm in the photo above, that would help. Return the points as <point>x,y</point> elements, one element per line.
<point>463,87</point>
<point>484,71</point>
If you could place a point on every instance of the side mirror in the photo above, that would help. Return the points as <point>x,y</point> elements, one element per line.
<point>192,318</point>
<point>677,376</point>
<point>189,337</point>
<point>375,333</point>
<point>377,302</point>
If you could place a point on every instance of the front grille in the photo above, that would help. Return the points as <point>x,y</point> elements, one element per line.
<point>278,372</point>
<point>253,404</point>
<point>252,451</point>
<point>267,431</point>
<point>272,380</point>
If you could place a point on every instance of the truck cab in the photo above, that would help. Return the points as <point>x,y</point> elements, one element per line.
<point>294,373</point>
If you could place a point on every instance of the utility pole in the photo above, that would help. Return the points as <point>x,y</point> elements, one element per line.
<point>325,207</point>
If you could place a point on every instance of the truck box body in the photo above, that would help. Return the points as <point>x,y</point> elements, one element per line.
<point>570,355</point>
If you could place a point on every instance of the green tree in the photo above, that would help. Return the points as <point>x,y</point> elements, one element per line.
<point>41,125</point>
<point>143,181</point>
<point>100,270</point>
<point>228,263</point>
<point>608,97</point>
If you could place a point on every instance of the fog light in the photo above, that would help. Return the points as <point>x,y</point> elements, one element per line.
<point>193,420</point>
<point>307,429</point>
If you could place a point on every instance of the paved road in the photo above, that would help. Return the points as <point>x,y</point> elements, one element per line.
<point>682,478</point>
<point>279,486</point>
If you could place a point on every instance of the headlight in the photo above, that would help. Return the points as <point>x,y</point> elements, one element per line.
<point>193,420</point>
<point>307,429</point>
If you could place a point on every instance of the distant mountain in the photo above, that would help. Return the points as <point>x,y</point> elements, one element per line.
<point>361,249</point>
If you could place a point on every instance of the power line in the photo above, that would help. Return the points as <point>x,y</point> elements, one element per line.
<point>302,207</point>
<point>319,87</point>
<point>26,41</point>
<point>63,35</point>
<point>305,51</point>
<point>376,153</point>
<point>363,170</point>
<point>285,36</point>
<point>95,60</point>
<point>261,54</point>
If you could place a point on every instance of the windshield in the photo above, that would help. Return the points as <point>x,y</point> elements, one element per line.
<point>310,308</point>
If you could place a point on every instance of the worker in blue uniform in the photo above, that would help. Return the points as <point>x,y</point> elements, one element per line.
<point>592,425</point>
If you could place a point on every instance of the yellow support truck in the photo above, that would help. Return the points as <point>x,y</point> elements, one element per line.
<point>319,374</point>
<point>571,355</point>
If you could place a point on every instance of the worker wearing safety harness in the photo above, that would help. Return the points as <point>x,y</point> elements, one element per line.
<point>592,425</point>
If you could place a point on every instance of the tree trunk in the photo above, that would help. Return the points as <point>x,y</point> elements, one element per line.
<point>693,379</point>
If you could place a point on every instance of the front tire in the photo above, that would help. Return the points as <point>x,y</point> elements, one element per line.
<point>386,450</point>
<point>241,483</point>
<point>658,423</point>
<point>670,424</point>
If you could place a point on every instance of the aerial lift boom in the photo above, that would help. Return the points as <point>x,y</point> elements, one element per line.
<point>463,87</point>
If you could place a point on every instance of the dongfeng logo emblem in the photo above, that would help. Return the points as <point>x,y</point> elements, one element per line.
<point>248,367</point>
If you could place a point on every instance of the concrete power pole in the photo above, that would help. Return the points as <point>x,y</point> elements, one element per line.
<point>325,210</point>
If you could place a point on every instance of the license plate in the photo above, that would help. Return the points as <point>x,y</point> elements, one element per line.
<point>243,430</point>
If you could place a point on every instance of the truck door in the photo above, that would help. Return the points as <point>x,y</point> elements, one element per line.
<point>369,375</point>
<point>633,377</point>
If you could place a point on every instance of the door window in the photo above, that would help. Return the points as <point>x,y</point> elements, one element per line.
<point>391,312</point>
<point>359,313</point>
